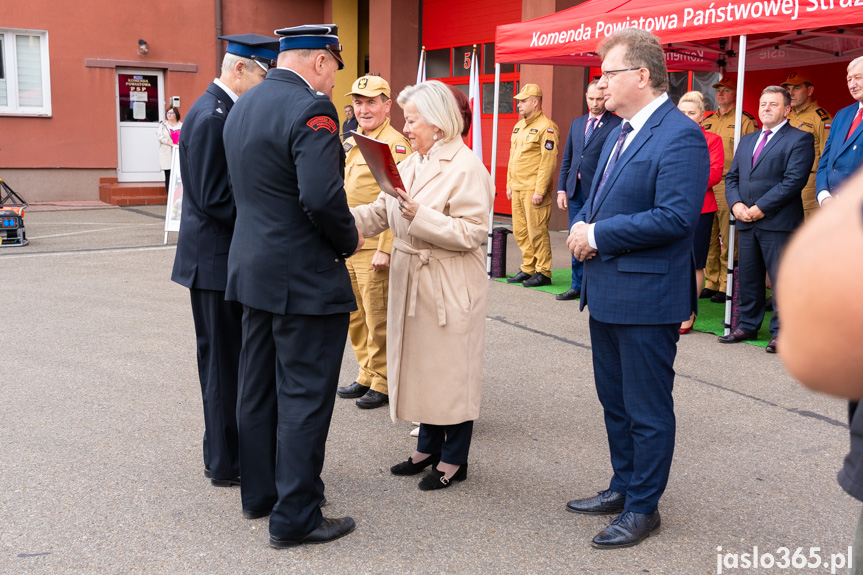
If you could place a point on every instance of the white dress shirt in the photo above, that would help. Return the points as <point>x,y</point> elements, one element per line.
<point>637,122</point>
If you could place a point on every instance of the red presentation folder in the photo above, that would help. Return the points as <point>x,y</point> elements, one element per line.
<point>381,163</point>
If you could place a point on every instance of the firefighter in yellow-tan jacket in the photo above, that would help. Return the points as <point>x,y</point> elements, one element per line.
<point>369,267</point>
<point>532,162</point>
<point>806,115</point>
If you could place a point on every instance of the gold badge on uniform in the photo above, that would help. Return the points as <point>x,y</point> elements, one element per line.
<point>533,131</point>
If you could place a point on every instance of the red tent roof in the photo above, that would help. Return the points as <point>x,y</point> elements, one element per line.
<point>696,33</point>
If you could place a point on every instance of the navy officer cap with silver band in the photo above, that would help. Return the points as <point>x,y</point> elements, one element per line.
<point>264,50</point>
<point>311,37</point>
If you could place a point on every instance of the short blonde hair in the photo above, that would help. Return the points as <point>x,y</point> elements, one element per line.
<point>437,106</point>
<point>694,97</point>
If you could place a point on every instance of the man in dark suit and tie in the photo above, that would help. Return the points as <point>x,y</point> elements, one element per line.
<point>201,262</point>
<point>287,267</point>
<point>843,152</point>
<point>583,145</point>
<point>763,188</point>
<point>634,234</point>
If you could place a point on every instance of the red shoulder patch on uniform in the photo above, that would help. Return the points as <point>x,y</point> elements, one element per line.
<point>550,130</point>
<point>325,122</point>
<point>401,150</point>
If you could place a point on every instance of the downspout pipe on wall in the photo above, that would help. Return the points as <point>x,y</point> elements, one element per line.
<point>219,50</point>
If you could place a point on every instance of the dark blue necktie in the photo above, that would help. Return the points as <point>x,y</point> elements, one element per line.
<point>624,131</point>
<point>591,124</point>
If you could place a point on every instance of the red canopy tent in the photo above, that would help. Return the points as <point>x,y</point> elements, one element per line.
<point>695,32</point>
<point>696,35</point>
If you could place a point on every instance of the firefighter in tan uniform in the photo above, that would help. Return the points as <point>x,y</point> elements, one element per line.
<point>722,124</point>
<point>369,267</point>
<point>532,162</point>
<point>807,116</point>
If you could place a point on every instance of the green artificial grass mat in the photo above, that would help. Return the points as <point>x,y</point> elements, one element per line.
<point>560,282</point>
<point>710,318</point>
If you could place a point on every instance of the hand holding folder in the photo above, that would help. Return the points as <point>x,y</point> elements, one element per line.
<point>381,163</point>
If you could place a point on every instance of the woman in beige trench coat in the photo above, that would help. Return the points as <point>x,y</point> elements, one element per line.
<point>438,284</point>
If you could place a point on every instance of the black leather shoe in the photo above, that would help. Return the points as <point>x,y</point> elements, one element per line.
<point>235,482</point>
<point>568,295</point>
<point>707,293</point>
<point>328,530</point>
<point>607,501</point>
<point>627,529</point>
<point>518,278</point>
<point>410,468</point>
<point>256,513</point>
<point>372,399</point>
<point>353,390</point>
<point>537,280</point>
<point>718,297</point>
<point>437,479</point>
<point>771,347</point>
<point>737,336</point>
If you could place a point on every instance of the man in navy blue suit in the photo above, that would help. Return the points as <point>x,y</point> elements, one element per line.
<point>763,188</point>
<point>843,152</point>
<point>583,146</point>
<point>287,267</point>
<point>635,236</point>
<point>201,262</point>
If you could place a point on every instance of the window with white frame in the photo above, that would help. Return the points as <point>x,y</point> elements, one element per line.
<point>25,86</point>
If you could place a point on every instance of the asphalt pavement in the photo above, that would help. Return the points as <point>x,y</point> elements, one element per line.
<point>101,424</point>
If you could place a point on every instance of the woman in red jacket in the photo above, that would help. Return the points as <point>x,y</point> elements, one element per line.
<point>692,104</point>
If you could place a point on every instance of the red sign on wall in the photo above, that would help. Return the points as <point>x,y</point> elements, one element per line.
<point>139,98</point>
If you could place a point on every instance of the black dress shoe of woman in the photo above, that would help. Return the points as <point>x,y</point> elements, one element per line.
<point>410,468</point>
<point>437,479</point>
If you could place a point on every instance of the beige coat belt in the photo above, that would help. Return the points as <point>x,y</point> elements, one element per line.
<point>431,258</point>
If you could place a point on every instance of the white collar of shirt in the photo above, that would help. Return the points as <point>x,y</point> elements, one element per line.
<point>773,131</point>
<point>638,120</point>
<point>300,75</point>
<point>227,90</point>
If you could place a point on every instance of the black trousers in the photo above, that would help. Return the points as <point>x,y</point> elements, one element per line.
<point>289,371</point>
<point>218,328</point>
<point>451,441</point>
<point>758,252</point>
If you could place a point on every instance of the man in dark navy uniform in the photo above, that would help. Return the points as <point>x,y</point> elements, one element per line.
<point>287,267</point>
<point>201,263</point>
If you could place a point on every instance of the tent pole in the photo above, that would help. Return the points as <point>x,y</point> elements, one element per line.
<point>493,166</point>
<point>738,115</point>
